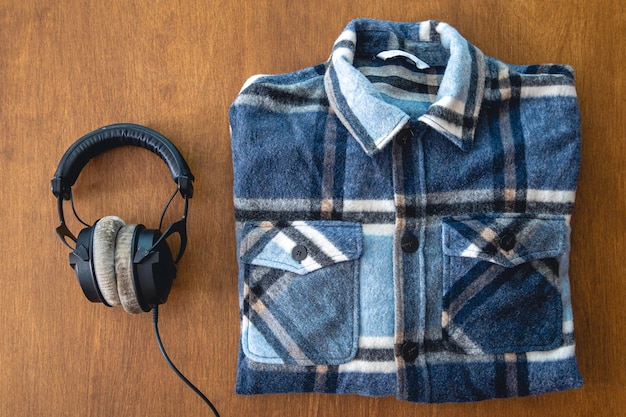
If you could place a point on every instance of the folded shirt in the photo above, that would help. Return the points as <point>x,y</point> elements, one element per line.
<point>403,221</point>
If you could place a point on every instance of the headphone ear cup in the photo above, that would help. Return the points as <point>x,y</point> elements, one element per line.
<point>126,287</point>
<point>103,254</point>
<point>154,266</point>
<point>82,263</point>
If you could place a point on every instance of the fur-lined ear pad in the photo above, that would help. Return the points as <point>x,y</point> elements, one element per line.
<point>104,236</point>
<point>124,269</point>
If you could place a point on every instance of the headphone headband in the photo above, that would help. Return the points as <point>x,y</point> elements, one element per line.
<point>113,136</point>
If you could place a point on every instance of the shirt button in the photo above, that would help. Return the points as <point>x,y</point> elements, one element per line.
<point>299,252</point>
<point>409,242</point>
<point>507,240</point>
<point>410,351</point>
<point>404,136</point>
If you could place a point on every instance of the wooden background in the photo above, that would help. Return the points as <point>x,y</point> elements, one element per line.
<point>68,67</point>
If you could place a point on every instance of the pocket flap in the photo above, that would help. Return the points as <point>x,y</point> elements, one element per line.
<point>507,239</point>
<point>300,246</point>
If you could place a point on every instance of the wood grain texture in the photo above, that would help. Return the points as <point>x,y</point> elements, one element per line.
<point>69,67</point>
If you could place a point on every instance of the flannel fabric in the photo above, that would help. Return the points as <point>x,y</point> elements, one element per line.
<point>403,219</point>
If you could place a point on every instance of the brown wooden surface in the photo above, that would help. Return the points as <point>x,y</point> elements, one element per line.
<point>68,67</point>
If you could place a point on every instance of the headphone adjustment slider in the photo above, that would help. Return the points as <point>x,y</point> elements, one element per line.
<point>59,189</point>
<point>185,185</point>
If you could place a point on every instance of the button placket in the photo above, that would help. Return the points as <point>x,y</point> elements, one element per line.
<point>411,283</point>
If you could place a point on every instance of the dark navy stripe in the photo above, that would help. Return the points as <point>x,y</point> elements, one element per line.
<point>517,131</point>
<point>259,215</point>
<point>457,288</point>
<point>478,300</point>
<point>496,205</point>
<point>465,142</point>
<point>344,44</point>
<point>371,217</point>
<point>276,215</point>
<point>316,162</point>
<point>434,35</point>
<point>470,102</point>
<point>375,355</point>
<point>260,287</point>
<point>398,61</point>
<point>401,83</point>
<point>320,69</point>
<point>531,69</point>
<point>455,209</point>
<point>551,264</point>
<point>523,384</point>
<point>443,209</point>
<point>493,117</point>
<point>331,376</point>
<point>501,386</point>
<point>547,81</point>
<point>284,97</point>
<point>448,115</point>
<point>547,69</point>
<point>474,236</point>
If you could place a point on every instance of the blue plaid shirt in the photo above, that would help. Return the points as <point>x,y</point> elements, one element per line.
<point>403,220</point>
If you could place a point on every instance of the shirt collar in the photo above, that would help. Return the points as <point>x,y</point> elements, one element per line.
<point>374,122</point>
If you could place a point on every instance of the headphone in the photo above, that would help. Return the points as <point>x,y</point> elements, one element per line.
<point>117,263</point>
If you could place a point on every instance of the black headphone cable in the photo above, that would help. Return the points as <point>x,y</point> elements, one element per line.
<point>155,321</point>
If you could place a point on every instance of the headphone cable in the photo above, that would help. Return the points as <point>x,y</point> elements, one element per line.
<point>155,321</point>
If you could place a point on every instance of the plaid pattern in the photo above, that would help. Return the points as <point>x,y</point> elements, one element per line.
<point>404,229</point>
<point>500,276</point>
<point>281,293</point>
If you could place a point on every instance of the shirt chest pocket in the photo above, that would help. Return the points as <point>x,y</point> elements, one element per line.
<point>501,282</point>
<point>300,291</point>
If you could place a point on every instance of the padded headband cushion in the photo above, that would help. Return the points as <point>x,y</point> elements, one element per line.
<point>104,237</point>
<point>124,269</point>
<point>113,136</point>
